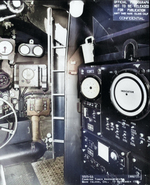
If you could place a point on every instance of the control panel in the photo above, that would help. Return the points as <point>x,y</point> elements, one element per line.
<point>30,76</point>
<point>102,156</point>
<point>91,117</point>
<point>107,160</point>
<point>130,134</point>
<point>139,168</point>
<point>125,106</point>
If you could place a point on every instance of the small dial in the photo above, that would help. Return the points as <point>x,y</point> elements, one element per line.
<point>24,49</point>
<point>16,4</point>
<point>38,50</point>
<point>5,47</point>
<point>28,74</point>
<point>90,88</point>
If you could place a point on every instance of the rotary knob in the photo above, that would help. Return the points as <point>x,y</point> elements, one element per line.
<point>113,156</point>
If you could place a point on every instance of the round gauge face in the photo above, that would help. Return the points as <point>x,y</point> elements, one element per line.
<point>90,88</point>
<point>16,4</point>
<point>28,74</point>
<point>38,50</point>
<point>5,47</point>
<point>24,49</point>
<point>128,94</point>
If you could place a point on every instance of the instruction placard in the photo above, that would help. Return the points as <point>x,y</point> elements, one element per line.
<point>104,179</point>
<point>131,10</point>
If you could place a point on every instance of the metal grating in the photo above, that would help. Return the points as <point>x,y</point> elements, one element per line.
<point>50,172</point>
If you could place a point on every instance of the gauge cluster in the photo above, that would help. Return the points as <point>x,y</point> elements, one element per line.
<point>24,88</point>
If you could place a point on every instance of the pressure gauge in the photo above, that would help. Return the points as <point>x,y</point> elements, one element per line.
<point>16,4</point>
<point>5,47</point>
<point>90,88</point>
<point>24,49</point>
<point>38,50</point>
<point>30,50</point>
<point>28,74</point>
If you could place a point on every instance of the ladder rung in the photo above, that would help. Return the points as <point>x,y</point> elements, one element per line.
<point>58,71</point>
<point>59,118</point>
<point>58,47</point>
<point>58,94</point>
<point>58,141</point>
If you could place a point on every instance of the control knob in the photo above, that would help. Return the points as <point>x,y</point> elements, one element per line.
<point>113,156</point>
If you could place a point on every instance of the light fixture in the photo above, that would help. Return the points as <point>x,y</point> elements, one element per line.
<point>76,8</point>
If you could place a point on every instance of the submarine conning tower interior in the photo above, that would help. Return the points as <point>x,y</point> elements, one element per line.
<point>74,92</point>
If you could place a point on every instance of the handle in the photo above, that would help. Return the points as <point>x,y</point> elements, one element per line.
<point>35,128</point>
<point>89,38</point>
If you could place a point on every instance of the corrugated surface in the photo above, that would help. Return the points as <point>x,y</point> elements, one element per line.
<point>45,172</point>
<point>50,172</point>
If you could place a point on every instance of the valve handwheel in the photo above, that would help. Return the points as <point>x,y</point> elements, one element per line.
<point>8,123</point>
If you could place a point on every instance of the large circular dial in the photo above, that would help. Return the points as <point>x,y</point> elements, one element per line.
<point>90,88</point>
<point>128,94</point>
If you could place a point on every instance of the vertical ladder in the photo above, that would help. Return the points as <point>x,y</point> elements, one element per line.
<point>57,59</point>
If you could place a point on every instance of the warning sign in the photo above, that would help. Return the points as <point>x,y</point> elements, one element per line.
<point>131,10</point>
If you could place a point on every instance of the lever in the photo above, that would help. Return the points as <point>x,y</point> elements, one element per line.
<point>7,17</point>
<point>3,7</point>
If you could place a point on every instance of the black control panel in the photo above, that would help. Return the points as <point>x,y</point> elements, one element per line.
<point>115,121</point>
<point>125,106</point>
<point>90,94</point>
<point>102,157</point>
<point>140,168</point>
<point>130,134</point>
<point>91,117</point>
